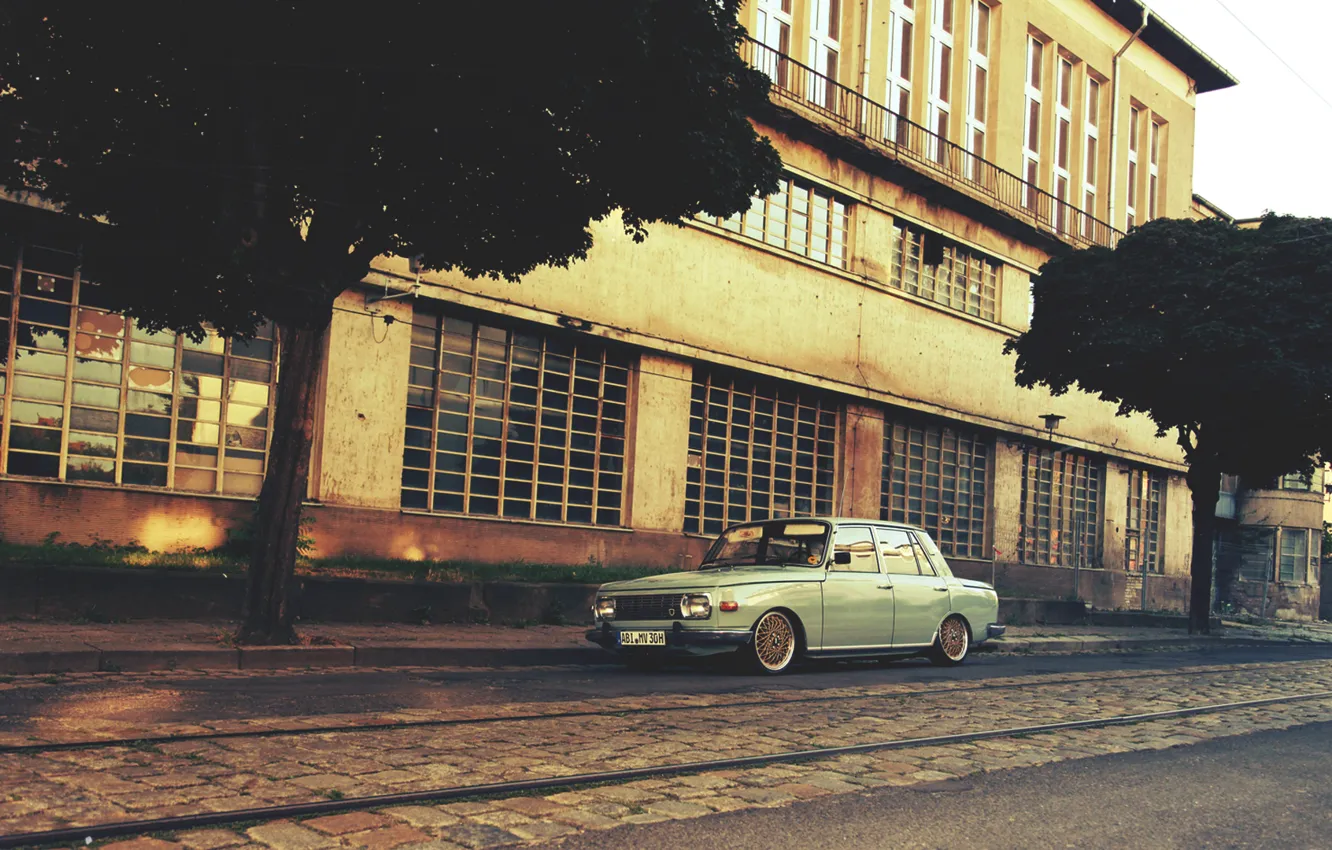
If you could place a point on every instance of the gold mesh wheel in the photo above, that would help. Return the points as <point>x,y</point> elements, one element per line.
<point>953,641</point>
<point>774,642</point>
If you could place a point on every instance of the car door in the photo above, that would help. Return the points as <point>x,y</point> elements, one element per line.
<point>920,595</point>
<point>857,597</point>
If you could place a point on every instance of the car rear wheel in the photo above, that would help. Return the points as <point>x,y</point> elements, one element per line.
<point>773,647</point>
<point>952,643</point>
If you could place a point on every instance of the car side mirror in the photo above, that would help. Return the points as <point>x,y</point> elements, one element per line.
<point>842,558</point>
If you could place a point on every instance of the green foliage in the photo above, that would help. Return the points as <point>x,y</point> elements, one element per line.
<point>1216,332</point>
<point>240,537</point>
<point>255,158</point>
<point>1327,541</point>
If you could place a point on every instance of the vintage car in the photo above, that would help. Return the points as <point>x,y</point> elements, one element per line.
<point>776,591</point>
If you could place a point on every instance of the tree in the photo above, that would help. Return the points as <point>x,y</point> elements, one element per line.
<point>250,160</point>
<point>1216,332</point>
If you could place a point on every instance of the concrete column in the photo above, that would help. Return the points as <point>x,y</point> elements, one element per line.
<point>859,488</point>
<point>365,403</point>
<point>1006,511</point>
<point>872,251</point>
<point>1014,297</point>
<point>1177,526</point>
<point>660,446</point>
<point>1115,516</point>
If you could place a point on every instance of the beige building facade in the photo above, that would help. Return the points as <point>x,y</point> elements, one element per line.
<point>838,349</point>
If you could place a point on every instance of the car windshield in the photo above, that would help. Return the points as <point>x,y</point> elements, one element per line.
<point>794,542</point>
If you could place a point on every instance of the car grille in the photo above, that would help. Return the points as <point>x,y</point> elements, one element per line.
<point>656,606</point>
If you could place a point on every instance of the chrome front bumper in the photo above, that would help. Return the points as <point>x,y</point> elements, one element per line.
<point>995,630</point>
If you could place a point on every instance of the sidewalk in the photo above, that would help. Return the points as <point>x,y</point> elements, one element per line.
<point>143,645</point>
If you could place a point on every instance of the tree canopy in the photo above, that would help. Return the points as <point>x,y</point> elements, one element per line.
<point>256,156</point>
<point>1217,332</point>
<point>250,160</point>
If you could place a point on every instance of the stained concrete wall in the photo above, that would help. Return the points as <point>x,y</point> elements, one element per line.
<point>660,445</point>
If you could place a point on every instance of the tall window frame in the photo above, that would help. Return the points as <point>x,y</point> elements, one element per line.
<point>825,49</point>
<point>1061,181</point>
<point>1293,555</point>
<point>936,475</point>
<point>757,450</point>
<point>1142,537</point>
<point>772,22</point>
<point>1092,151</point>
<point>513,421</point>
<point>1062,508</point>
<point>940,92</point>
<point>978,87</point>
<point>1131,192</point>
<point>901,56</point>
<point>1154,133</point>
<point>1031,128</point>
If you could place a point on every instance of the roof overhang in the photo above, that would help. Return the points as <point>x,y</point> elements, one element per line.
<point>1206,73</point>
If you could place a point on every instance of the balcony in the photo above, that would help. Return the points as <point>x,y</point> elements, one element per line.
<point>886,132</point>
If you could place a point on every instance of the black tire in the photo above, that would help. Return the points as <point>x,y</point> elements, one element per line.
<point>952,643</point>
<point>774,646</point>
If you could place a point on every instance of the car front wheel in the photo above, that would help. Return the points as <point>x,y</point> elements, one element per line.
<point>773,647</point>
<point>952,643</point>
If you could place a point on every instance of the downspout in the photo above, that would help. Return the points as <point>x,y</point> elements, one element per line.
<point>1114,112</point>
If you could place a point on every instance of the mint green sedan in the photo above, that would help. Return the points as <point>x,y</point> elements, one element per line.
<point>780,590</point>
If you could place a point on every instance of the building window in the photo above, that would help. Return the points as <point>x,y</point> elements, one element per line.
<point>935,477</point>
<point>513,423</point>
<point>1061,508</point>
<point>963,280</point>
<point>1031,135</point>
<point>979,88</point>
<point>757,451</point>
<point>1153,170</point>
<point>1063,140</point>
<point>901,32</point>
<point>1294,562</point>
<point>1092,131</point>
<point>91,396</point>
<point>799,217</point>
<point>941,78</point>
<point>773,23</point>
<point>1251,555</point>
<point>1142,532</point>
<point>824,47</point>
<point>1131,205</point>
<point>1296,481</point>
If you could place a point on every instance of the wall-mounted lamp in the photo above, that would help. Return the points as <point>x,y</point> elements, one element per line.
<point>574,324</point>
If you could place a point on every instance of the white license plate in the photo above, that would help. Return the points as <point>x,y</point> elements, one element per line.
<point>642,638</point>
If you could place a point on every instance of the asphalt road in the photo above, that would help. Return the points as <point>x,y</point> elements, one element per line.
<point>173,698</point>
<point>1265,790</point>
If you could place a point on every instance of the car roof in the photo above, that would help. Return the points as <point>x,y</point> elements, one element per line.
<point>834,520</point>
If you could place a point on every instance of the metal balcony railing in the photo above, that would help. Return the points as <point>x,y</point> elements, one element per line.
<point>881,128</point>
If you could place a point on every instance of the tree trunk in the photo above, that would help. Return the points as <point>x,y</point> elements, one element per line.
<point>1204,478</point>
<point>267,618</point>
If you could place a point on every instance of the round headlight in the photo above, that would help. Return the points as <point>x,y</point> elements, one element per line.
<point>605,608</point>
<point>696,606</point>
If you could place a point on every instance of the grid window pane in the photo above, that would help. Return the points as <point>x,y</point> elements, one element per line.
<point>1062,509</point>
<point>121,404</point>
<point>1142,533</point>
<point>760,451</point>
<point>489,422</point>
<point>935,477</point>
<point>799,217</point>
<point>963,280</point>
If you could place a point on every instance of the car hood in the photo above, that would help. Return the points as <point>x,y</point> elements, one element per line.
<point>705,579</point>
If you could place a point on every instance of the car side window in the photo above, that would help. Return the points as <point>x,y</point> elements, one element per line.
<point>896,550</point>
<point>923,559</point>
<point>855,540</point>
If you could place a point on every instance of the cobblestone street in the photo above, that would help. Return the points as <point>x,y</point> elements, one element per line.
<point>481,744</point>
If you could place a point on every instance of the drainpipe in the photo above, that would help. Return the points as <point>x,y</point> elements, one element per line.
<point>1114,111</point>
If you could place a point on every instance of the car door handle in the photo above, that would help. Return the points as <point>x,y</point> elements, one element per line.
<point>941,589</point>
<point>885,587</point>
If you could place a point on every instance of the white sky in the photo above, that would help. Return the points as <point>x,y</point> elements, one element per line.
<point>1263,144</point>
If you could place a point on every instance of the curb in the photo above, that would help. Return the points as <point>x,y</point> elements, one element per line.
<point>91,659</point>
